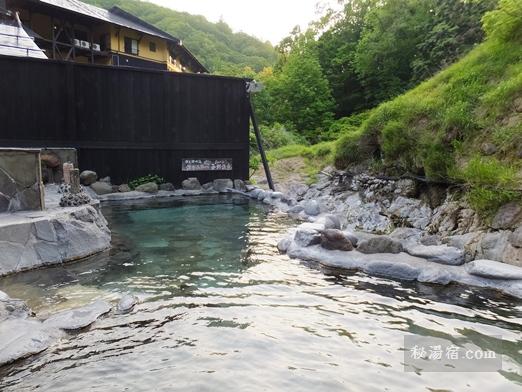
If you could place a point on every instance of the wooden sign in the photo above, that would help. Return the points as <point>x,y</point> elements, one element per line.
<point>206,164</point>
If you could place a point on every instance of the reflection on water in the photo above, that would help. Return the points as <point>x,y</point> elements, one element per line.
<point>221,310</point>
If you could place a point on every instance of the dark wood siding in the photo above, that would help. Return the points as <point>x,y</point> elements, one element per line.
<point>125,122</point>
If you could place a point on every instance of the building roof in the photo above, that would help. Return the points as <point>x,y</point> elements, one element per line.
<point>119,17</point>
<point>14,41</point>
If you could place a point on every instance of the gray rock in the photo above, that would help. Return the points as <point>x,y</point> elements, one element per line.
<point>208,186</point>
<point>277,195</point>
<point>352,237</point>
<point>312,208</point>
<point>380,244</point>
<point>101,188</point>
<point>261,195</point>
<point>105,179</point>
<point>191,184</point>
<point>168,186</point>
<point>78,318</point>
<point>45,231</point>
<point>441,254</point>
<point>250,188</point>
<point>494,270</point>
<point>12,308</point>
<point>333,239</point>
<point>88,177</point>
<point>284,244</point>
<point>223,184</point>
<point>390,269</point>
<point>515,239</point>
<point>406,187</point>
<point>240,185</point>
<point>509,216</point>
<point>124,188</point>
<point>149,187</point>
<point>330,221</point>
<point>21,338</point>
<point>488,149</point>
<point>295,209</point>
<point>406,234</point>
<point>126,303</point>
<point>410,211</point>
<point>307,237</point>
<point>430,240</point>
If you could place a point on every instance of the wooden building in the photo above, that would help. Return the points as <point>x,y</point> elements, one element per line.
<point>71,30</point>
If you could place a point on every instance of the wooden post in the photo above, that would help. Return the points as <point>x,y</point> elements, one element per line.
<point>75,181</point>
<point>260,145</point>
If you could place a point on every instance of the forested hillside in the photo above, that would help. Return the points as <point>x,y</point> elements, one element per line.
<point>463,126</point>
<point>214,44</point>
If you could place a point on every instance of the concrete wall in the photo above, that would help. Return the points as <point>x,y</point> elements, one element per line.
<point>20,180</point>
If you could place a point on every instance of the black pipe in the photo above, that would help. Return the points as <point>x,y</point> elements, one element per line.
<point>260,145</point>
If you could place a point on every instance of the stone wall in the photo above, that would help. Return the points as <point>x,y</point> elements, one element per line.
<point>20,180</point>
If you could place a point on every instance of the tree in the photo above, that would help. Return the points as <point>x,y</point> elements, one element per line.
<point>301,94</point>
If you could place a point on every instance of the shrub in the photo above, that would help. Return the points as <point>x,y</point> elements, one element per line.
<point>489,181</point>
<point>146,179</point>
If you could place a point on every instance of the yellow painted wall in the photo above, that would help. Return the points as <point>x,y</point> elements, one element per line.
<point>118,44</point>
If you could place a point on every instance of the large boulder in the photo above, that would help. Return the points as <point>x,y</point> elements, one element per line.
<point>494,270</point>
<point>508,216</point>
<point>333,239</point>
<point>223,184</point>
<point>191,184</point>
<point>88,177</point>
<point>101,188</point>
<point>380,244</point>
<point>441,254</point>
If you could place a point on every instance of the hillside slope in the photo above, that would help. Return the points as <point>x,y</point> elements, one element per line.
<point>462,126</point>
<point>214,44</point>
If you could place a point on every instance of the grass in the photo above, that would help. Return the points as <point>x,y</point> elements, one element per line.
<point>437,129</point>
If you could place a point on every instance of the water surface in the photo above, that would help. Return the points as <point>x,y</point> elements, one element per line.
<point>221,310</point>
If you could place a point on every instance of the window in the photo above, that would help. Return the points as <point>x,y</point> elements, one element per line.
<point>152,46</point>
<point>131,46</point>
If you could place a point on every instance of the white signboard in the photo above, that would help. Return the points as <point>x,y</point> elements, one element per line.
<point>206,164</point>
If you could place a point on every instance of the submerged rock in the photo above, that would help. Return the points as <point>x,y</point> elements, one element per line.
<point>80,317</point>
<point>381,244</point>
<point>441,254</point>
<point>333,239</point>
<point>494,270</point>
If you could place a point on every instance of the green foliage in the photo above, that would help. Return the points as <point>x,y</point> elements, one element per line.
<point>301,94</point>
<point>146,179</point>
<point>214,44</point>
<point>505,23</point>
<point>490,183</point>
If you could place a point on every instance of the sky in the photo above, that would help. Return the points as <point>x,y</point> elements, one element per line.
<point>268,20</point>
